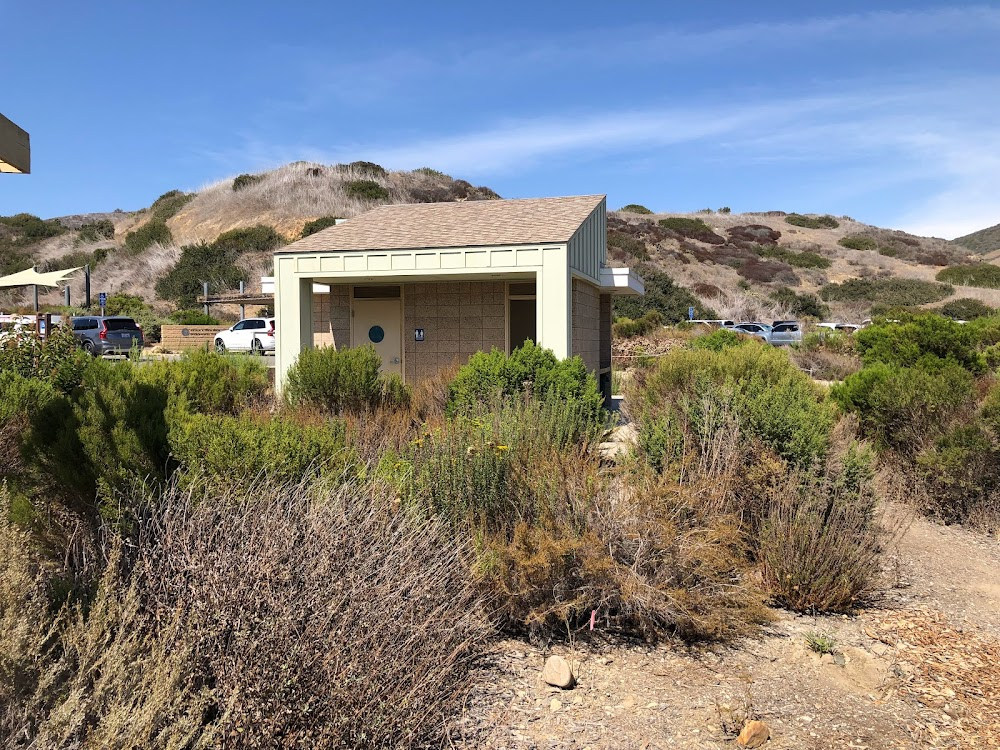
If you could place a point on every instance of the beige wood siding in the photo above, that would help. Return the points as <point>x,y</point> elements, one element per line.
<point>459,318</point>
<point>587,323</point>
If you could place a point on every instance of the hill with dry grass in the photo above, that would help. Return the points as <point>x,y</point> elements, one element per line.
<point>984,242</point>
<point>758,265</point>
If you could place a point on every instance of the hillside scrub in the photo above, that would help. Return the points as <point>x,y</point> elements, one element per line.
<point>635,208</point>
<point>694,229</point>
<point>199,263</point>
<point>966,308</point>
<point>800,305</point>
<point>153,232</point>
<point>891,292</point>
<point>664,296</point>
<point>812,222</point>
<point>365,190</point>
<point>984,275</point>
<point>805,259</point>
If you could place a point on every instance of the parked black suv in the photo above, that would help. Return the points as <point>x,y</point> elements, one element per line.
<point>107,335</point>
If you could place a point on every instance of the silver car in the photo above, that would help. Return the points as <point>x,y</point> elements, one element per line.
<point>786,332</point>
<point>760,330</point>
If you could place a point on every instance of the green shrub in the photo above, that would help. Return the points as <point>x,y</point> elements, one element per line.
<point>123,432</point>
<point>57,359</point>
<point>695,229</point>
<point>151,233</point>
<point>199,263</point>
<point>770,399</point>
<point>318,225</point>
<point>491,375</point>
<point>243,181</point>
<point>340,380</point>
<point>719,339</point>
<point>665,297</point>
<point>812,222</point>
<point>917,337</point>
<point>858,242</point>
<point>986,275</point>
<point>962,471</point>
<point>803,305</point>
<point>627,245</point>
<point>366,168</point>
<point>892,292</point>
<point>635,208</point>
<point>365,190</point>
<point>900,407</point>
<point>168,204</point>
<point>627,328</point>
<point>209,383</point>
<point>95,231</point>
<point>192,318</point>
<point>966,309</point>
<point>804,259</point>
<point>259,238</point>
<point>245,448</point>
<point>28,228</point>
<point>428,172</point>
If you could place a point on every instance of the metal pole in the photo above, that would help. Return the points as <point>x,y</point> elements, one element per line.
<point>36,297</point>
<point>204,286</point>
<point>86,286</point>
<point>66,299</point>
<point>243,307</point>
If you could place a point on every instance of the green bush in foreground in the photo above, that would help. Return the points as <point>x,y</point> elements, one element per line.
<point>341,380</point>
<point>985,275</point>
<point>491,375</point>
<point>758,386</point>
<point>900,407</point>
<point>918,337</point>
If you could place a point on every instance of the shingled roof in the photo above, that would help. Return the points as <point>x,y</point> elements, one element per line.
<point>466,224</point>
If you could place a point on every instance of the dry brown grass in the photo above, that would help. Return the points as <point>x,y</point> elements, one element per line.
<point>278,618</point>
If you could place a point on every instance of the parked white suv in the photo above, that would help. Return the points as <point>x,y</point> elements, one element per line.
<point>249,335</point>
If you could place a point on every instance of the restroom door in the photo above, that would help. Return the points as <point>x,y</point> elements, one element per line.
<point>379,322</point>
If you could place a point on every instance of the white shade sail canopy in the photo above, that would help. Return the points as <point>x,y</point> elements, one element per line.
<point>31,277</point>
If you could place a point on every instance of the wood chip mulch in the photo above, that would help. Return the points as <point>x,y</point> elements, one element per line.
<point>951,672</point>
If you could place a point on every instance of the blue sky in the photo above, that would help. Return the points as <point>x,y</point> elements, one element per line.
<point>887,112</point>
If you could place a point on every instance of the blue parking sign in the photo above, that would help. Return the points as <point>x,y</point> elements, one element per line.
<point>102,299</point>
<point>690,313</point>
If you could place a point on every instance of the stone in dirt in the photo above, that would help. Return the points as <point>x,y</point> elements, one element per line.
<point>558,673</point>
<point>754,734</point>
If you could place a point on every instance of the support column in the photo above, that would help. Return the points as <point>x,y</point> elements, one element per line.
<point>554,303</point>
<point>293,313</point>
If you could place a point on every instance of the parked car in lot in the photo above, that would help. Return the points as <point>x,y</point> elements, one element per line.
<point>841,327</point>
<point>786,332</point>
<point>249,335</point>
<point>113,334</point>
<point>760,330</point>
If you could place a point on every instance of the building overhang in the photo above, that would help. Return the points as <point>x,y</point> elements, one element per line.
<point>15,148</point>
<point>622,282</point>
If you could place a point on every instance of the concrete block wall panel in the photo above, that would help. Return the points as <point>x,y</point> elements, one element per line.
<point>459,318</point>
<point>587,324</point>
<point>605,331</point>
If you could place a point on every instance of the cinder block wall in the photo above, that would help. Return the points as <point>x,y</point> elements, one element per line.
<point>605,331</point>
<point>459,318</point>
<point>587,324</point>
<point>332,317</point>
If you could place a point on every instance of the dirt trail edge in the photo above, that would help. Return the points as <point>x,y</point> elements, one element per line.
<point>923,670</point>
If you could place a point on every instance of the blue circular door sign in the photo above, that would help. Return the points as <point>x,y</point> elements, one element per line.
<point>376,334</point>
